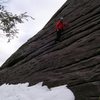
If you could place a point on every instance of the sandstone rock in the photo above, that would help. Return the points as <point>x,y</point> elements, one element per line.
<point>74,61</point>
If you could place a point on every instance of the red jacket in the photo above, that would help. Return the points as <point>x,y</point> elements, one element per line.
<point>59,25</point>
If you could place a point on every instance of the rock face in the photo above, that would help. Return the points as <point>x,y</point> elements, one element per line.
<point>74,61</point>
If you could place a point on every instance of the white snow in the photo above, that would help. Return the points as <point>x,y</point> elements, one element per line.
<point>36,92</point>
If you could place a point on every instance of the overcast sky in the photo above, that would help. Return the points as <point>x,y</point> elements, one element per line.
<point>41,10</point>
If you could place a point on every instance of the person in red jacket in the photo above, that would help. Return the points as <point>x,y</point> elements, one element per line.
<point>59,28</point>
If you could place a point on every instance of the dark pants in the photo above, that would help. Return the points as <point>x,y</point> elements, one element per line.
<point>58,33</point>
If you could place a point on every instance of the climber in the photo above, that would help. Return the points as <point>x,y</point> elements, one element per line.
<point>59,28</point>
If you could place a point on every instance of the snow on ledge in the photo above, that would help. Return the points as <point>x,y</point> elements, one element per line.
<point>36,92</point>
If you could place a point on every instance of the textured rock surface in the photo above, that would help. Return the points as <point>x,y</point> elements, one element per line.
<point>74,61</point>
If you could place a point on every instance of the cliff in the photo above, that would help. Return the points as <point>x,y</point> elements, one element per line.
<point>74,61</point>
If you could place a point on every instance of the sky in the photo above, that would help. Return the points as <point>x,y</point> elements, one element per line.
<point>41,10</point>
<point>35,92</point>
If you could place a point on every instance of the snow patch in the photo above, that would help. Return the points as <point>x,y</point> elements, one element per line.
<point>36,92</point>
